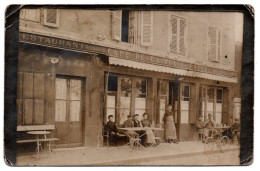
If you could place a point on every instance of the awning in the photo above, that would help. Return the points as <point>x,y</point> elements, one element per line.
<point>157,68</point>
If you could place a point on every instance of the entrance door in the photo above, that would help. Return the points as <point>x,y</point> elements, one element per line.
<point>68,111</point>
<point>174,101</point>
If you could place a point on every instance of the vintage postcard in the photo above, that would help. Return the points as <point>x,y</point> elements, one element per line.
<point>115,85</point>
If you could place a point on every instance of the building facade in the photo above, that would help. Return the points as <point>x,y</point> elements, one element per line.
<point>76,67</point>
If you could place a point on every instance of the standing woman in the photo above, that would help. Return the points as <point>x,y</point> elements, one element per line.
<point>169,126</point>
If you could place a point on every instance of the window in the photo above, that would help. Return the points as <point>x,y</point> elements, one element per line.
<point>185,103</point>
<point>134,27</point>
<point>214,41</point>
<point>51,17</point>
<point>178,34</point>
<point>212,99</point>
<point>30,14</point>
<point>30,98</point>
<point>125,95</point>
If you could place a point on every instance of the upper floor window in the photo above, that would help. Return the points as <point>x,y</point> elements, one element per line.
<point>214,42</point>
<point>51,17</point>
<point>134,27</point>
<point>178,34</point>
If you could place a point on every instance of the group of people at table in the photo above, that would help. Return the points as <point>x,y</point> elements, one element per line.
<point>207,128</point>
<point>147,136</point>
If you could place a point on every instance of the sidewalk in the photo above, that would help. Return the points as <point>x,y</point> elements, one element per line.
<point>114,155</point>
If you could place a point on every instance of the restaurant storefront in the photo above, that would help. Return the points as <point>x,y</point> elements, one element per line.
<point>75,86</point>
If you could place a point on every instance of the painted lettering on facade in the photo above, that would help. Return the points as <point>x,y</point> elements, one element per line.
<point>123,54</point>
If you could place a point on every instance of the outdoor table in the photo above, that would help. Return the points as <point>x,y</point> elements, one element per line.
<point>136,129</point>
<point>37,135</point>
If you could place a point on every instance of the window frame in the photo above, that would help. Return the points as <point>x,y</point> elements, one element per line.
<point>177,53</point>
<point>46,23</point>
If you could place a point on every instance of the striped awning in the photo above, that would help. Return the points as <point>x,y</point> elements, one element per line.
<point>164,69</point>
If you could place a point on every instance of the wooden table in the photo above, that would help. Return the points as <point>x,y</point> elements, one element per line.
<point>136,129</point>
<point>38,139</point>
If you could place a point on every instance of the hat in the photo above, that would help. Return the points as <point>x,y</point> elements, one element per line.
<point>129,116</point>
<point>145,114</point>
<point>109,116</point>
<point>209,114</point>
<point>136,115</point>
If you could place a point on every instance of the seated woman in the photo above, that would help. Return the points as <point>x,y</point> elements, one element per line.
<point>149,138</point>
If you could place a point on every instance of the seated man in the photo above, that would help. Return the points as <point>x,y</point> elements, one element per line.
<point>209,124</point>
<point>128,124</point>
<point>137,123</point>
<point>200,125</point>
<point>235,130</point>
<point>112,130</point>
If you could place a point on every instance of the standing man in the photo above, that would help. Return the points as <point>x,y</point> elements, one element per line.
<point>235,130</point>
<point>112,130</point>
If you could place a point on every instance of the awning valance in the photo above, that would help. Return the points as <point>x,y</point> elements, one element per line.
<point>157,68</point>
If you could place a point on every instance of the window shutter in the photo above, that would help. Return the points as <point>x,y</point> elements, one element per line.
<point>147,28</point>
<point>226,103</point>
<point>51,17</point>
<point>193,104</point>
<point>219,43</point>
<point>213,44</point>
<point>174,34</point>
<point>116,25</point>
<point>181,37</point>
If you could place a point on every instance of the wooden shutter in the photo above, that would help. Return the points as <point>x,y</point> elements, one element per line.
<point>38,111</point>
<point>28,111</point>
<point>174,34</point>
<point>226,103</point>
<point>182,27</point>
<point>213,44</point>
<point>51,17</point>
<point>219,45</point>
<point>28,85</point>
<point>147,28</point>
<point>193,103</point>
<point>116,25</point>
<point>38,86</point>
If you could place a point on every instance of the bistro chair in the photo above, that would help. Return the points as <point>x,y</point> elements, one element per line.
<point>106,136</point>
<point>198,135</point>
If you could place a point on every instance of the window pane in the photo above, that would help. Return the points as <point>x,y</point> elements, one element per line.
<point>140,103</point>
<point>210,107</point>
<point>219,118</point>
<point>112,83</point>
<point>111,101</point>
<point>60,110</point>
<point>140,87</point>
<point>126,85</point>
<point>125,102</point>
<point>219,95</point>
<point>123,115</point>
<point>74,110</point>
<point>75,90</point>
<point>211,93</point>
<point>163,87</point>
<point>219,107</point>
<point>61,88</point>
<point>186,91</point>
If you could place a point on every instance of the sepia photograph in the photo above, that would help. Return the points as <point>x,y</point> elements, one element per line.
<point>129,85</point>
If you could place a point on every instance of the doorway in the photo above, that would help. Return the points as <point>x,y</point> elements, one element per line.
<point>68,111</point>
<point>174,89</point>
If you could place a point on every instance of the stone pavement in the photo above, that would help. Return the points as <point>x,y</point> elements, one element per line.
<point>114,155</point>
